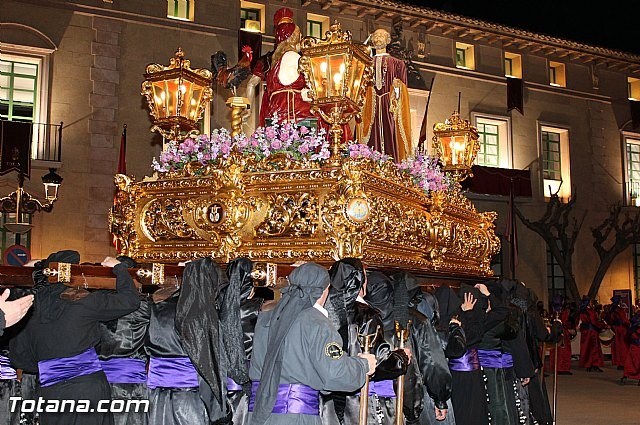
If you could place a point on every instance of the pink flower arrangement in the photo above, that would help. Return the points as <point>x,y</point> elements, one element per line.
<point>299,142</point>
<point>425,172</point>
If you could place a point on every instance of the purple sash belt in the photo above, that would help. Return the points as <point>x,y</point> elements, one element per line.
<point>54,371</point>
<point>233,385</point>
<point>124,370</point>
<point>6,371</point>
<point>171,372</point>
<point>467,363</point>
<point>495,359</point>
<point>382,389</point>
<point>297,399</point>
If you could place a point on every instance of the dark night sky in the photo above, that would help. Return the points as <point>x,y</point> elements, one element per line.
<point>600,23</point>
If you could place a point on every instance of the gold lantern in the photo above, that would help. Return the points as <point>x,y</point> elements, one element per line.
<point>177,96</point>
<point>337,70</point>
<point>455,142</point>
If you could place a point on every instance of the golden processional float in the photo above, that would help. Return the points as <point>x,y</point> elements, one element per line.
<point>282,208</point>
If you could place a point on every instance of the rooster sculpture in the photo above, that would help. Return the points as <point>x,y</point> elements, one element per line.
<point>231,78</point>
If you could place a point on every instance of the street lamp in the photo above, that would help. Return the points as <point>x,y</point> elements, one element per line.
<point>337,70</point>
<point>22,202</point>
<point>177,96</point>
<point>455,142</point>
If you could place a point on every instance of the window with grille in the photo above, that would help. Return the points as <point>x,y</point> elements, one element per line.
<point>314,29</point>
<point>555,276</point>
<point>551,165</point>
<point>489,138</point>
<point>180,9</point>
<point>18,90</point>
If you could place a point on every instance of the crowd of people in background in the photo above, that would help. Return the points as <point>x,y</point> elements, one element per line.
<point>214,349</point>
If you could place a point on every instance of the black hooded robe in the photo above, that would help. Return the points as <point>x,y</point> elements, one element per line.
<point>354,316</point>
<point>124,338</point>
<point>469,394</point>
<point>61,329</point>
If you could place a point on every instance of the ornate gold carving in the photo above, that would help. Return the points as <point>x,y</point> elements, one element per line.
<point>290,214</point>
<point>297,211</point>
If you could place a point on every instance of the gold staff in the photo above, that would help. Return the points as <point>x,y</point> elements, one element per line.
<point>366,342</point>
<point>401,337</point>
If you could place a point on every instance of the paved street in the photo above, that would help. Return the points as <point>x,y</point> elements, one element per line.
<point>596,398</point>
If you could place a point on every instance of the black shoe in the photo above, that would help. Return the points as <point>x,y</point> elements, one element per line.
<point>623,380</point>
<point>597,369</point>
<point>565,372</point>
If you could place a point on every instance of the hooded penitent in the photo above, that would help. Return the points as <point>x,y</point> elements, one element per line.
<point>199,326</point>
<point>347,278</point>
<point>448,304</point>
<point>380,295</point>
<point>306,284</point>
<point>48,305</point>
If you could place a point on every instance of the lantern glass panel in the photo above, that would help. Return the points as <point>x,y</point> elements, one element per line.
<point>356,72</point>
<point>160,99</point>
<point>51,191</point>
<point>337,71</point>
<point>319,68</point>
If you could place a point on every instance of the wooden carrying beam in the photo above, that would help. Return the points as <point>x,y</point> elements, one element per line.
<point>149,278</point>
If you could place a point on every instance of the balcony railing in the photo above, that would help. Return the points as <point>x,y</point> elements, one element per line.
<point>633,193</point>
<point>45,140</point>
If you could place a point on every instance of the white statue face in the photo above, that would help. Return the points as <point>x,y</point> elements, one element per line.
<point>380,39</point>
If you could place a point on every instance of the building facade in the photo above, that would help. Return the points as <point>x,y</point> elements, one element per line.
<point>81,63</point>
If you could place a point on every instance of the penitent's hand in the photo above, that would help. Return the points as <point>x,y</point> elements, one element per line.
<point>109,262</point>
<point>441,414</point>
<point>14,310</point>
<point>469,302</point>
<point>371,360</point>
<point>482,288</point>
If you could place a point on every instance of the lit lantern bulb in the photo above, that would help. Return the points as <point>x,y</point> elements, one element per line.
<point>183,89</point>
<point>342,68</point>
<point>323,67</point>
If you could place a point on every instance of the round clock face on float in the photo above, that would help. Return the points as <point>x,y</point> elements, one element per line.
<point>358,209</point>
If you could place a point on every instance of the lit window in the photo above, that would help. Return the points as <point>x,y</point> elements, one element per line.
<point>512,65</point>
<point>18,90</point>
<point>317,25</point>
<point>23,88</point>
<point>464,56</point>
<point>633,171</point>
<point>557,74</point>
<point>314,29</point>
<point>551,155</point>
<point>489,153</point>
<point>555,276</point>
<point>494,138</point>
<point>633,85</point>
<point>461,60</point>
<point>556,172</point>
<point>180,9</point>
<point>250,19</point>
<point>252,16</point>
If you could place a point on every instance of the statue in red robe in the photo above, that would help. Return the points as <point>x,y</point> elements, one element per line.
<point>386,116</point>
<point>286,92</point>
